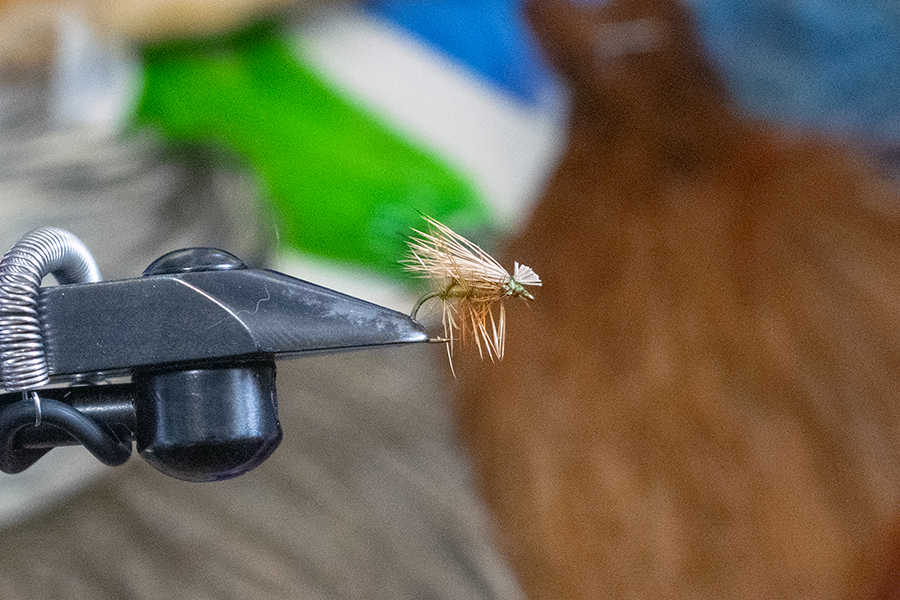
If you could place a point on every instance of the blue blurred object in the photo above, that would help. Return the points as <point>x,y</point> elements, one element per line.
<point>829,65</point>
<point>488,36</point>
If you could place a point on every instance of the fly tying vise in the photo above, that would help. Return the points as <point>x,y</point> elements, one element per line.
<point>194,341</point>
<point>469,283</point>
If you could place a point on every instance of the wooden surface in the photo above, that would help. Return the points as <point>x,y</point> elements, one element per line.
<point>368,497</point>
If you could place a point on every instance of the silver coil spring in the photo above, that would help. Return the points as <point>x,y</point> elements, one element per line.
<point>42,252</point>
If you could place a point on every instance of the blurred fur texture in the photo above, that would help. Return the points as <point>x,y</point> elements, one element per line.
<point>704,399</point>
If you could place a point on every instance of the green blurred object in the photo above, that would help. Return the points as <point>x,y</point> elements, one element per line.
<point>343,185</point>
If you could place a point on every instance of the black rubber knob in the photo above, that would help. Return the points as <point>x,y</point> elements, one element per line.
<point>207,424</point>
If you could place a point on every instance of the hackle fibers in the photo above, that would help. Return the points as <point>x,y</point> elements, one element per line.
<point>470,284</point>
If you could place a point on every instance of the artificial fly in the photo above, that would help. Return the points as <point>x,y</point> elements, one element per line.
<point>469,283</point>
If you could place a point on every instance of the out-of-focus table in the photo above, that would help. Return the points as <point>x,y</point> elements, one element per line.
<point>368,497</point>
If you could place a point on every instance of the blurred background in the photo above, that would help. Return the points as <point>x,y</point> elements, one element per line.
<point>309,136</point>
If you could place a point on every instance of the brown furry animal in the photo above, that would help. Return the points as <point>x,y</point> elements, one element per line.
<point>704,399</point>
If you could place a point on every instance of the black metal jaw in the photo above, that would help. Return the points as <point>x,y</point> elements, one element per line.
<point>198,335</point>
